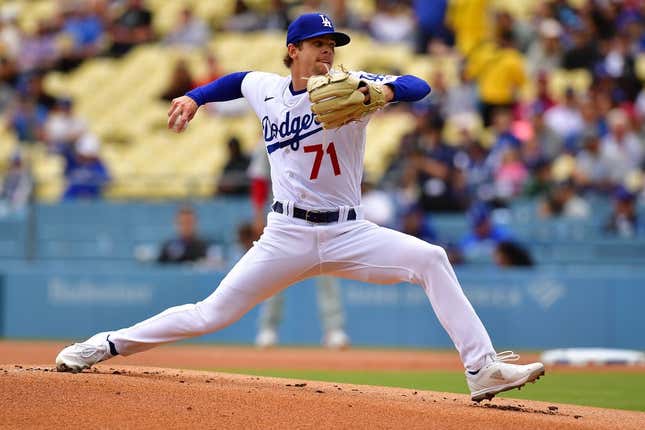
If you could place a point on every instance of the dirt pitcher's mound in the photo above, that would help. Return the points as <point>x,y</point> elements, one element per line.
<point>147,397</point>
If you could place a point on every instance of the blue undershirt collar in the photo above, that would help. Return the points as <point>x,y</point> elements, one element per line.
<point>295,93</point>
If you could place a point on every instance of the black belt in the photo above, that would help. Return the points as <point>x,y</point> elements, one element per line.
<point>317,217</point>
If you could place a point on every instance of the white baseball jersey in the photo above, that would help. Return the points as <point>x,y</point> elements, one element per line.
<point>311,167</point>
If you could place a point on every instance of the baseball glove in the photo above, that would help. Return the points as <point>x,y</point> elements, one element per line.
<point>336,100</point>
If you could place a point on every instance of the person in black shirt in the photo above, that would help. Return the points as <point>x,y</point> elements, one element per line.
<point>234,180</point>
<point>133,27</point>
<point>187,246</point>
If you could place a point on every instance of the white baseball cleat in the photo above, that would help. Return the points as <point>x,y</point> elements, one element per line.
<point>498,376</point>
<point>266,338</point>
<point>79,356</point>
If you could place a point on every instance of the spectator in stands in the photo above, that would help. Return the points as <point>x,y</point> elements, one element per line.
<point>246,235</point>
<point>503,136</point>
<point>131,28</point>
<point>470,24</point>
<point>480,243</point>
<point>433,166</point>
<point>472,160</point>
<point>461,98</point>
<point>540,182</point>
<point>623,221</point>
<point>213,70</point>
<point>583,52</point>
<point>640,106</point>
<point>85,28</point>
<point>392,23</point>
<point>543,98</point>
<point>593,121</point>
<point>190,31</point>
<point>621,150</point>
<point>437,99</point>
<point>39,51</point>
<point>17,184</point>
<point>187,246</point>
<point>234,179</point>
<point>85,172</point>
<point>505,22</point>
<point>180,82</point>
<point>510,175</point>
<point>400,178</point>
<point>564,202</point>
<point>591,170</point>
<point>565,118</point>
<point>344,15</point>
<point>499,71</point>
<point>11,37</point>
<point>27,119</point>
<point>530,151</point>
<point>277,17</point>
<point>618,63</point>
<point>63,128</point>
<point>547,140</point>
<point>512,254</point>
<point>7,92</point>
<point>603,15</point>
<point>32,86</point>
<point>431,25</point>
<point>545,53</point>
<point>415,222</point>
<point>244,19</point>
<point>377,204</point>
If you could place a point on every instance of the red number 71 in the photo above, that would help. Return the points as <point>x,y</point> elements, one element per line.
<point>318,149</point>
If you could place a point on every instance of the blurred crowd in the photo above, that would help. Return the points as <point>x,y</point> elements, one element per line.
<point>481,141</point>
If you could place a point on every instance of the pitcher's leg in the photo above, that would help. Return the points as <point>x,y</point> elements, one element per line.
<point>257,276</point>
<point>383,256</point>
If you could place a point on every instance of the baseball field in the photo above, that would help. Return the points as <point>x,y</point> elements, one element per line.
<point>216,386</point>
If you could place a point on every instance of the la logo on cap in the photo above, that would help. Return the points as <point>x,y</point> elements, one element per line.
<point>326,22</point>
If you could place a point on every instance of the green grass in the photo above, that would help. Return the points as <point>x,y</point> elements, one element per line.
<point>619,390</point>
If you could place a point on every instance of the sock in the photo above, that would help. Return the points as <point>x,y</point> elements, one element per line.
<point>113,350</point>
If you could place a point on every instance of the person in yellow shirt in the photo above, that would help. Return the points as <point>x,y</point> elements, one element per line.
<point>470,21</point>
<point>499,72</point>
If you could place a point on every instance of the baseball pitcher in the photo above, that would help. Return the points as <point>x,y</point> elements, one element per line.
<point>314,122</point>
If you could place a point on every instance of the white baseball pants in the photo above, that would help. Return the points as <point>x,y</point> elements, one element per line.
<point>291,250</point>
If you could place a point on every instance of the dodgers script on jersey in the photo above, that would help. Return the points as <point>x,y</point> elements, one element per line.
<point>311,167</point>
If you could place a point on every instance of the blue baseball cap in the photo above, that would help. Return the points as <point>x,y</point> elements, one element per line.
<point>313,25</point>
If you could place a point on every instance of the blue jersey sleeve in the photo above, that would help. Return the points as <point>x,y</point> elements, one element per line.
<point>409,88</point>
<point>228,87</point>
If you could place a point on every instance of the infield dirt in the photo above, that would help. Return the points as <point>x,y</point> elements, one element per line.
<point>121,393</point>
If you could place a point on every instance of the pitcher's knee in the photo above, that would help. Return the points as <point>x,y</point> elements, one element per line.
<point>435,255</point>
<point>216,317</point>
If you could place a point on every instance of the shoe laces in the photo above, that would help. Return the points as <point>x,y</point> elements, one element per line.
<point>506,356</point>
